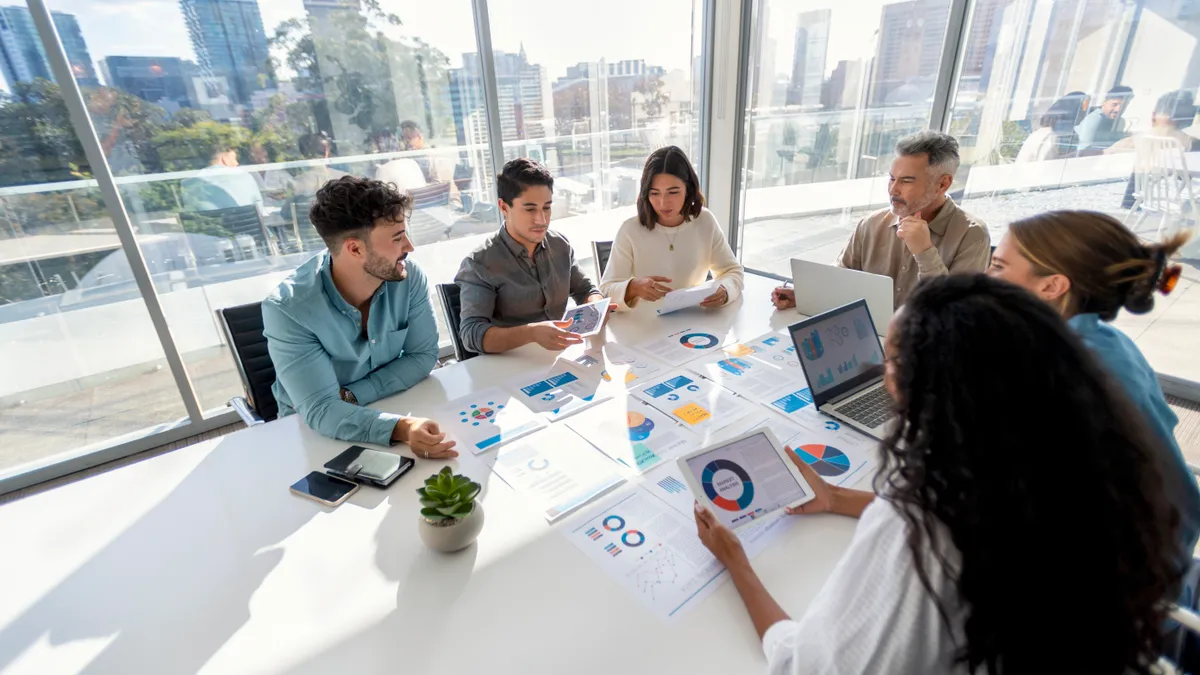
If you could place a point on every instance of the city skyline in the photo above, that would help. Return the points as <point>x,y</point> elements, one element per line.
<point>230,43</point>
<point>157,29</point>
<point>22,57</point>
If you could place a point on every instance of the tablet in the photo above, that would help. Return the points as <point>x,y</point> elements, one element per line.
<point>587,320</point>
<point>745,479</point>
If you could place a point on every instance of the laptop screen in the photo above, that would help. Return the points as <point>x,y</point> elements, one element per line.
<point>838,350</point>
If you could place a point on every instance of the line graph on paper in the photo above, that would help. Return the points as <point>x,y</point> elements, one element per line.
<point>656,572</point>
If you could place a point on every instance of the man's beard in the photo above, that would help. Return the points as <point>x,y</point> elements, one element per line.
<point>920,206</point>
<point>384,269</point>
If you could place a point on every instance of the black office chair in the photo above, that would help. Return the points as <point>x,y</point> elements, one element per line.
<point>601,250</point>
<point>243,330</point>
<point>229,223</point>
<point>452,309</point>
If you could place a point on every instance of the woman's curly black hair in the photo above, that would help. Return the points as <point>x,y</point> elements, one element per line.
<point>1013,443</point>
<point>350,206</point>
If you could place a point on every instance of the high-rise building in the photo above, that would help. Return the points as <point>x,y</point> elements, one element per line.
<point>808,61</point>
<point>22,57</point>
<point>230,43</point>
<point>909,52</point>
<point>164,80</point>
<point>840,91</point>
<point>985,21</point>
<point>524,94</point>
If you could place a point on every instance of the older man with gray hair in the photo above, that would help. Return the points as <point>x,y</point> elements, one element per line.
<point>922,233</point>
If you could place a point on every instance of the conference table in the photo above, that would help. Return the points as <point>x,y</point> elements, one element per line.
<point>200,560</point>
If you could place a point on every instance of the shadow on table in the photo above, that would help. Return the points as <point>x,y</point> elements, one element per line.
<point>430,583</point>
<point>144,587</point>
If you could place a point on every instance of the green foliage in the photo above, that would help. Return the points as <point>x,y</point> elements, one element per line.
<point>1011,138</point>
<point>447,496</point>
<point>360,70</point>
<point>187,148</point>
<point>820,153</point>
<point>656,97</point>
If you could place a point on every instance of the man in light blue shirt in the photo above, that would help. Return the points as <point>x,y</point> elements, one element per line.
<point>222,184</point>
<point>1104,126</point>
<point>354,324</point>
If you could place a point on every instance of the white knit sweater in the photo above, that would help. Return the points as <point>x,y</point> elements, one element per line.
<point>699,247</point>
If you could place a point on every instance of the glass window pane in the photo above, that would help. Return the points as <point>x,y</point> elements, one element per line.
<point>593,104</point>
<point>221,119</point>
<point>80,362</point>
<point>1040,130</point>
<point>833,86</point>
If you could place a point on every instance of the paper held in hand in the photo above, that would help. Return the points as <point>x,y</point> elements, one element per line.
<point>687,297</point>
<point>586,320</point>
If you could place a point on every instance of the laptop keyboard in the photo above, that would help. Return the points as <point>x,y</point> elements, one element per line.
<point>870,410</point>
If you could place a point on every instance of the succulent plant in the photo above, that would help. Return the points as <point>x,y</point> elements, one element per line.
<point>447,497</point>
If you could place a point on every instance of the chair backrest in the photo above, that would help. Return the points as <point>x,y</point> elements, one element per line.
<point>229,222</point>
<point>1160,173</point>
<point>601,250</point>
<point>437,194</point>
<point>243,329</point>
<point>296,211</point>
<point>452,309</point>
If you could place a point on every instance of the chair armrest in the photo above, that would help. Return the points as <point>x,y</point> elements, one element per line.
<point>244,411</point>
<point>1195,468</point>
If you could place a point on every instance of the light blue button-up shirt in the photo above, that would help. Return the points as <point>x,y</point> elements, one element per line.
<point>317,345</point>
<point>1124,361</point>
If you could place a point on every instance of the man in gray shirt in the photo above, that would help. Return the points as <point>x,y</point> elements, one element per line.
<point>514,287</point>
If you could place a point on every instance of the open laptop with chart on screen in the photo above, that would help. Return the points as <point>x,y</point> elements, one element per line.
<point>842,358</point>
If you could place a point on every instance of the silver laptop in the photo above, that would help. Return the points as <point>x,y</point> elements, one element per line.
<point>820,288</point>
<point>843,360</point>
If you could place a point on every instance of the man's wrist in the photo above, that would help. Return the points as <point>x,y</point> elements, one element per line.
<point>400,432</point>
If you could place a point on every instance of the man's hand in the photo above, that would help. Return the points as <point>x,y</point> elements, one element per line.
<point>823,492</point>
<point>596,297</point>
<point>552,335</point>
<point>718,539</point>
<point>914,232</point>
<point>424,438</point>
<point>783,298</point>
<point>717,299</point>
<point>647,288</point>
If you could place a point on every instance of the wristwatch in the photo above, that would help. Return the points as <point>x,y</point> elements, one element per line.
<point>348,396</point>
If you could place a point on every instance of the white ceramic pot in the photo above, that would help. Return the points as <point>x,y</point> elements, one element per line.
<point>449,536</point>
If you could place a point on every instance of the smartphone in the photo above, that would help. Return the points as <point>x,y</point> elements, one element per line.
<point>323,488</point>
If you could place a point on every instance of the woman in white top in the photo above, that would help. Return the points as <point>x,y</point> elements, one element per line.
<point>1055,136</point>
<point>1021,525</point>
<point>674,242</point>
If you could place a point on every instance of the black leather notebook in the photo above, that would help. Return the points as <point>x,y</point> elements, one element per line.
<point>372,467</point>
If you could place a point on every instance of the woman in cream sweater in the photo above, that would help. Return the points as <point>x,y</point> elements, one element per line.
<point>674,242</point>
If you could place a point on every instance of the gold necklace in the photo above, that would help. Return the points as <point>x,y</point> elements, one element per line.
<point>670,240</point>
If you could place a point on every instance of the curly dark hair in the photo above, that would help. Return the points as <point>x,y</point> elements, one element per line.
<point>349,206</point>
<point>1012,443</point>
<point>669,160</point>
<point>518,175</point>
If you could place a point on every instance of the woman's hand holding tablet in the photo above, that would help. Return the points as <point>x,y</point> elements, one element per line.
<point>745,479</point>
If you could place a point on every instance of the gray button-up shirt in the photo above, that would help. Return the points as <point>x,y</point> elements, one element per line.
<point>500,286</point>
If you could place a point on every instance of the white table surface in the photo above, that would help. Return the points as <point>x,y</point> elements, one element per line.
<point>200,560</point>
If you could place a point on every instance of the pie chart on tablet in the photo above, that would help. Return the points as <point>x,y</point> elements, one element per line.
<point>825,460</point>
